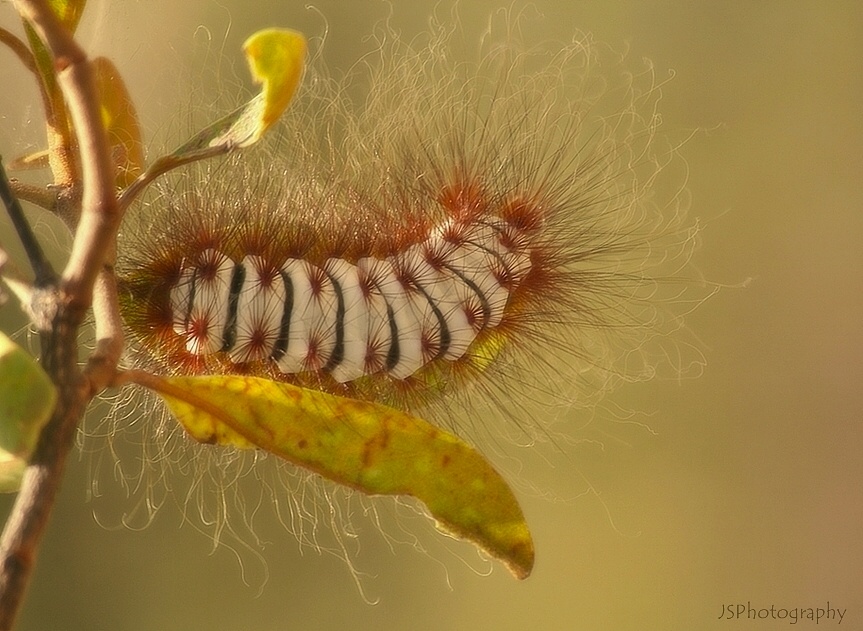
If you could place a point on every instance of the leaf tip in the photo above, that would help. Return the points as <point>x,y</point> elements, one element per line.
<point>276,58</point>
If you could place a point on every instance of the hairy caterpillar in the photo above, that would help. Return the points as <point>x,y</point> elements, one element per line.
<point>386,313</point>
<point>470,233</point>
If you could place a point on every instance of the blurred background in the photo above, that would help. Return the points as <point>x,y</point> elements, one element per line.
<point>747,489</point>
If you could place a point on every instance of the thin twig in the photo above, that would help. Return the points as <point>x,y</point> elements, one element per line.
<point>21,51</point>
<point>45,274</point>
<point>164,165</point>
<point>39,195</point>
<point>59,310</point>
<point>101,367</point>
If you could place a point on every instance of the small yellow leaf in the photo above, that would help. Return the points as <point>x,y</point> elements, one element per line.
<point>69,12</point>
<point>276,58</point>
<point>367,446</point>
<point>120,120</point>
<point>27,399</point>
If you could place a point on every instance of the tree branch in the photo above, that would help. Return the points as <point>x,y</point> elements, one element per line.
<point>101,369</point>
<point>100,216</point>
<point>59,309</point>
<point>21,51</point>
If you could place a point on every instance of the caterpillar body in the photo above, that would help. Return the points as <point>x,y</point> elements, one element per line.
<point>351,320</point>
<point>373,316</point>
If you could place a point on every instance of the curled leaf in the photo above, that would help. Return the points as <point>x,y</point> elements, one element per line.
<point>276,58</point>
<point>27,398</point>
<point>370,447</point>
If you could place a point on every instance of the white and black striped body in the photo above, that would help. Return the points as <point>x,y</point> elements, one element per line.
<point>394,314</point>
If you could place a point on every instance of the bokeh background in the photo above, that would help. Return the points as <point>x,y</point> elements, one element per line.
<point>749,489</point>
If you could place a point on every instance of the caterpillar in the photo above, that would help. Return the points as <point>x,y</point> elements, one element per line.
<point>468,234</point>
<point>424,302</point>
<point>350,320</point>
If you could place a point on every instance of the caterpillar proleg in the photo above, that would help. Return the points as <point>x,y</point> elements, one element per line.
<point>467,234</point>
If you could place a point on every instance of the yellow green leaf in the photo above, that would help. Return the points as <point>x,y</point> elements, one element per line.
<point>69,12</point>
<point>276,58</point>
<point>45,64</point>
<point>120,120</point>
<point>367,446</point>
<point>27,399</point>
